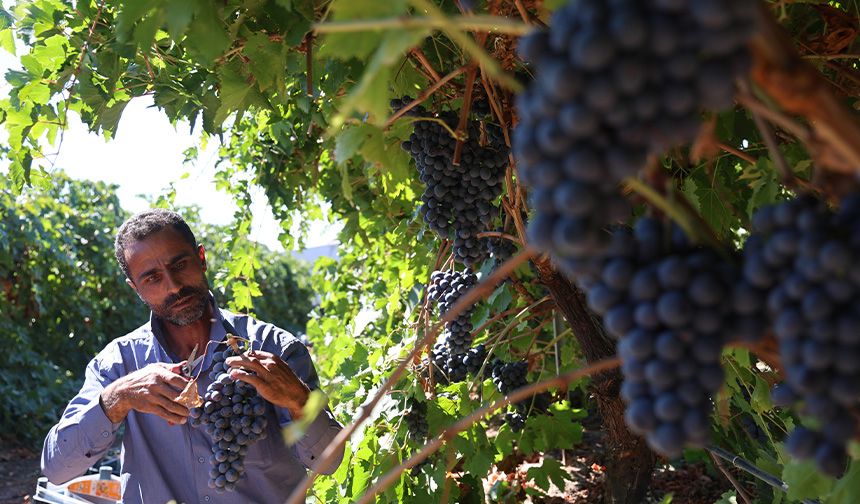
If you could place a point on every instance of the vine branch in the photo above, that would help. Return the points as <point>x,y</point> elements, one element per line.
<point>484,288</point>
<point>516,396</point>
<point>424,95</point>
<point>475,22</point>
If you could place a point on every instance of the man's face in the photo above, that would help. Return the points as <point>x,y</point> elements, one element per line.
<point>168,275</point>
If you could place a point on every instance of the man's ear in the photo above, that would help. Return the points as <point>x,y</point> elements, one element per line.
<point>131,284</point>
<point>201,253</point>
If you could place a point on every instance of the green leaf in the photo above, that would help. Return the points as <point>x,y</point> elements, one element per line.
<point>236,94</point>
<point>6,19</point>
<point>550,470</point>
<point>712,194</point>
<point>760,400</point>
<point>295,430</point>
<point>108,119</point>
<point>179,14</point>
<point>371,93</point>
<point>348,142</point>
<point>847,488</point>
<point>7,40</point>
<point>267,61</point>
<point>804,481</point>
<point>207,35</point>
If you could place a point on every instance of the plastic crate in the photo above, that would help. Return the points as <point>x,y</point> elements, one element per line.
<point>101,488</point>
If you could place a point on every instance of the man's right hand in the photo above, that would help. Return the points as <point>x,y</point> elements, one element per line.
<point>152,389</point>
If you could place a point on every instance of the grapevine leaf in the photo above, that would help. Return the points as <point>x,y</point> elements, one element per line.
<point>845,490</point>
<point>550,469</point>
<point>179,15</point>
<point>266,60</point>
<point>7,40</point>
<point>207,35</point>
<point>804,481</point>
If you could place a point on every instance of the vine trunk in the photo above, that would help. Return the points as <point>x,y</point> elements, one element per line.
<point>629,461</point>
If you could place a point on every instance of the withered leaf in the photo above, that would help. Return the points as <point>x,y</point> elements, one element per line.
<point>189,396</point>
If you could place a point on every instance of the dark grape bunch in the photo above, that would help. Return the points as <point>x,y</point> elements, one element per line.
<point>458,202</point>
<point>474,359</point>
<point>500,249</point>
<point>416,419</point>
<point>452,365</point>
<point>753,430</point>
<point>452,368</point>
<point>235,418</point>
<point>615,81</point>
<point>669,304</point>
<point>805,257</point>
<point>509,376</point>
<point>516,420</point>
<point>446,287</point>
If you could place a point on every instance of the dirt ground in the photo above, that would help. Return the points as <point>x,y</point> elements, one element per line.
<point>19,470</point>
<point>690,484</point>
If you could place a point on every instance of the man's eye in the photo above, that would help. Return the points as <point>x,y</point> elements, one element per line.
<point>180,265</point>
<point>151,279</point>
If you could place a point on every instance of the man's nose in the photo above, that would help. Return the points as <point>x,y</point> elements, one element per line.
<point>172,282</point>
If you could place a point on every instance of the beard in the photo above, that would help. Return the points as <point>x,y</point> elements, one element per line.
<point>191,311</point>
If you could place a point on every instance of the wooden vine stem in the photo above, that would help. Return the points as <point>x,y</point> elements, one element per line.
<point>483,289</point>
<point>800,89</point>
<point>476,416</point>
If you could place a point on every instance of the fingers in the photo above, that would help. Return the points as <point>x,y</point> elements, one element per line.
<point>249,378</point>
<point>166,399</point>
<point>172,378</point>
<point>169,415</point>
<point>257,363</point>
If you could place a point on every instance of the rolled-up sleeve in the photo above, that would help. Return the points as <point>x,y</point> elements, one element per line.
<point>324,428</point>
<point>84,433</point>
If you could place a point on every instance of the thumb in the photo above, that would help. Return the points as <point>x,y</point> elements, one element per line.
<point>175,368</point>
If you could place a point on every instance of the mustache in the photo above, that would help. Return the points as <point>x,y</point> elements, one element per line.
<point>182,294</point>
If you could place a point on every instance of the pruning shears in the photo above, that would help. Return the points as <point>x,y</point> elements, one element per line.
<point>192,362</point>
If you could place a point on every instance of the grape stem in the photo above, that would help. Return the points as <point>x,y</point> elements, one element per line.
<point>518,395</point>
<point>799,88</point>
<point>499,234</point>
<point>422,58</point>
<point>769,140</point>
<point>483,289</point>
<point>424,95</point>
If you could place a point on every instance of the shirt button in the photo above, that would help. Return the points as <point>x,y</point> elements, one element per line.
<point>201,459</point>
<point>105,434</point>
<point>206,498</point>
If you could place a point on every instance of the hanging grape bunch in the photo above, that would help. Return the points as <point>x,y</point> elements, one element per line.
<point>614,82</point>
<point>500,248</point>
<point>669,305</point>
<point>458,202</point>
<point>446,287</point>
<point>805,257</point>
<point>415,417</point>
<point>234,415</point>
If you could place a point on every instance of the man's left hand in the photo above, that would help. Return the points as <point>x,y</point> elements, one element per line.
<point>273,379</point>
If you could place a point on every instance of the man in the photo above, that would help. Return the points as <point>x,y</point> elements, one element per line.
<point>136,379</point>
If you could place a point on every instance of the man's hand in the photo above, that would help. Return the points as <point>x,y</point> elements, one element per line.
<point>152,389</point>
<point>272,378</point>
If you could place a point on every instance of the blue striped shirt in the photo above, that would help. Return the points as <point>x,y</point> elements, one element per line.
<point>161,462</point>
